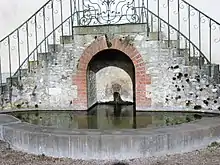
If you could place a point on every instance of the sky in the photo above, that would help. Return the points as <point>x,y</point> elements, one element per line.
<point>14,12</point>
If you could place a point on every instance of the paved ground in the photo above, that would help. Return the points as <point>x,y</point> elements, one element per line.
<point>208,156</point>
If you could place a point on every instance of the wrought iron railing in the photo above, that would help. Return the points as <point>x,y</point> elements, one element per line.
<point>213,31</point>
<point>22,45</point>
<point>56,18</point>
<point>170,33</point>
<point>202,30</point>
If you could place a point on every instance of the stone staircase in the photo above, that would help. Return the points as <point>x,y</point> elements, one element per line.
<point>181,77</point>
<point>47,83</point>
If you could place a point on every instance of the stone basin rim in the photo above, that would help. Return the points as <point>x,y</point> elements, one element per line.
<point>136,139</point>
<point>51,130</point>
<point>214,112</point>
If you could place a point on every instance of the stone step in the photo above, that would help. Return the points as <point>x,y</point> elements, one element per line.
<point>67,39</point>
<point>21,72</point>
<point>196,60</point>
<point>165,44</point>
<point>190,70</point>
<point>212,70</point>
<point>32,65</point>
<point>153,36</point>
<point>215,73</point>
<point>162,52</point>
<point>181,52</point>
<point>192,60</point>
<point>45,58</point>
<point>3,88</point>
<point>54,48</point>
<point>13,80</point>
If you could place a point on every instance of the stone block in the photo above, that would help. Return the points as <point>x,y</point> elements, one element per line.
<point>22,72</point>
<point>155,143</point>
<point>139,143</point>
<point>196,60</point>
<point>32,65</point>
<point>119,146</point>
<point>155,36</point>
<point>25,141</point>
<point>54,48</point>
<point>66,39</point>
<point>33,140</point>
<point>13,80</point>
<point>1,132</point>
<point>62,143</point>
<point>206,70</point>
<point>7,119</point>
<point>7,134</point>
<point>115,29</point>
<point>17,138</point>
<point>3,88</point>
<point>215,73</point>
<point>82,41</point>
<point>165,44</point>
<point>77,145</point>
<point>181,52</point>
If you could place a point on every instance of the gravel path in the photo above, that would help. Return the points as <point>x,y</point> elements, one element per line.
<point>208,156</point>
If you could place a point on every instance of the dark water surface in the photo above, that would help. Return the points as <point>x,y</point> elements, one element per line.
<point>105,117</point>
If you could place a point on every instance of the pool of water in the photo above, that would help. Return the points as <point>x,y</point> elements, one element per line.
<point>106,117</point>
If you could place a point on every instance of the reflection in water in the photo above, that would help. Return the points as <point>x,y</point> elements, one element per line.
<point>111,116</point>
<point>118,109</point>
<point>105,116</point>
<point>117,106</point>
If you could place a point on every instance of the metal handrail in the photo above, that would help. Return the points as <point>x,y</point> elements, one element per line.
<point>26,21</point>
<point>170,26</point>
<point>43,42</point>
<point>185,37</point>
<point>210,23</point>
<point>201,12</point>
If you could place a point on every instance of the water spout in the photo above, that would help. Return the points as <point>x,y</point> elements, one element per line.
<point>117,107</point>
<point>117,104</point>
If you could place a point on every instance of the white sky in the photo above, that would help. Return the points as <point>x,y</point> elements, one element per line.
<point>13,12</point>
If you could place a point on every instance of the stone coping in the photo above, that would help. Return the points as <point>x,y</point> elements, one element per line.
<point>197,124</point>
<point>147,109</point>
<point>5,119</point>
<point>108,144</point>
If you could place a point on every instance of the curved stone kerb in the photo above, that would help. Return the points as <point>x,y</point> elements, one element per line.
<point>100,44</point>
<point>115,144</point>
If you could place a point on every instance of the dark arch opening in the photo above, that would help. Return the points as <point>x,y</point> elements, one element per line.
<point>104,59</point>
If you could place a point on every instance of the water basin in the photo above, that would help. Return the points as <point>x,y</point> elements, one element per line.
<point>106,117</point>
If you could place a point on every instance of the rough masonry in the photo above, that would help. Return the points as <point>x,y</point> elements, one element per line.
<point>81,73</point>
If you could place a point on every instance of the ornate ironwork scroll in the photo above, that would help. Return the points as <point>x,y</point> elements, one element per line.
<point>110,12</point>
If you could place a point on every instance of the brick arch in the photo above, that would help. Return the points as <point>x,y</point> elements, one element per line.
<point>100,44</point>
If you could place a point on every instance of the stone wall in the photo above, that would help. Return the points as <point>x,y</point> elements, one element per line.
<point>67,79</point>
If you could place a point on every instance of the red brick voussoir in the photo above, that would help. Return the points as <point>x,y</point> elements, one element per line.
<point>100,44</point>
